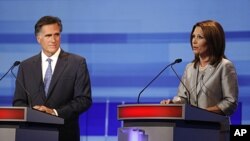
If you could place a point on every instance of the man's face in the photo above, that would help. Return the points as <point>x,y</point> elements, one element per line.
<point>49,38</point>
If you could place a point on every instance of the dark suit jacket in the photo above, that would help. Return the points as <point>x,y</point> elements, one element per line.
<point>69,92</point>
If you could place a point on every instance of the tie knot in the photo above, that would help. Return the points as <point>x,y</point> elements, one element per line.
<point>49,60</point>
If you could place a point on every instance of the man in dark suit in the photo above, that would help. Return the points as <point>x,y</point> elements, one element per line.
<point>59,85</point>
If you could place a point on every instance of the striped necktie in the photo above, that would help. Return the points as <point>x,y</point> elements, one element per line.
<point>48,76</point>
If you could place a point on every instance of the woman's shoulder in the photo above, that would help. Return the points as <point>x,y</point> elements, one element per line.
<point>226,63</point>
<point>226,66</point>
<point>190,65</point>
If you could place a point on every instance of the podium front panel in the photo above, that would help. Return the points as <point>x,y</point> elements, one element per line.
<point>172,122</point>
<point>12,114</point>
<point>150,111</point>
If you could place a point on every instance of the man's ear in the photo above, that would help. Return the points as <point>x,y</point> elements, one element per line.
<point>38,38</point>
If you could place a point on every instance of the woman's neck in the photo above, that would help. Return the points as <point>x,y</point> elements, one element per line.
<point>204,61</point>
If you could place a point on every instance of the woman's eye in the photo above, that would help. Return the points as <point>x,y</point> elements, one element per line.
<point>200,37</point>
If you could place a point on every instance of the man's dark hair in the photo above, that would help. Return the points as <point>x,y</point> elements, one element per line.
<point>46,20</point>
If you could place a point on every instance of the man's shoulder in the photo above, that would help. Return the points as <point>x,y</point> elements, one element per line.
<point>72,56</point>
<point>31,59</point>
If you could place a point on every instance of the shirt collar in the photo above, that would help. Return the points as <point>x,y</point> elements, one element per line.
<point>53,57</point>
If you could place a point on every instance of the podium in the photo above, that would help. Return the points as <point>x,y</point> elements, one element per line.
<point>173,122</point>
<point>24,124</point>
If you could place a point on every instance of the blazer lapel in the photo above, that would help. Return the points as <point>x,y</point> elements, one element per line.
<point>208,73</point>
<point>202,80</point>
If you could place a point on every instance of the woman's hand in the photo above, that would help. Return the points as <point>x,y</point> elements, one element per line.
<point>176,100</point>
<point>215,109</point>
<point>166,101</point>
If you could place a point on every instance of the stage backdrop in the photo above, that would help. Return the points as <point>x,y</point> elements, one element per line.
<point>126,43</point>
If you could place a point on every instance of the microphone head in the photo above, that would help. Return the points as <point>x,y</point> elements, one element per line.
<point>178,60</point>
<point>16,63</point>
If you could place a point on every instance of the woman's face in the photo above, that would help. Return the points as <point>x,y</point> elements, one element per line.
<point>199,43</point>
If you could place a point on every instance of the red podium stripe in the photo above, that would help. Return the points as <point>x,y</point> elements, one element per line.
<point>150,112</point>
<point>11,114</point>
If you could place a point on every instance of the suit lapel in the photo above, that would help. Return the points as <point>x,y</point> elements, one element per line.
<point>59,68</point>
<point>37,65</point>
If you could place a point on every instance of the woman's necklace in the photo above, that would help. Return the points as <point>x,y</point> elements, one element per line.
<point>203,68</point>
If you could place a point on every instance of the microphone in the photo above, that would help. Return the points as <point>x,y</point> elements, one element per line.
<point>20,83</point>
<point>201,85</point>
<point>187,92</point>
<point>11,68</point>
<point>176,61</point>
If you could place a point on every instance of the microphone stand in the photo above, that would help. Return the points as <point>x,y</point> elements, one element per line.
<point>11,68</point>
<point>176,61</point>
<point>187,93</point>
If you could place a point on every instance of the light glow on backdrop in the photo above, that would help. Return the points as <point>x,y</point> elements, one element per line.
<point>126,43</point>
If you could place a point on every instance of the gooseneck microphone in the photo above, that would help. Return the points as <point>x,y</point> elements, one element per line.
<point>187,92</point>
<point>16,63</point>
<point>176,61</point>
<point>18,81</point>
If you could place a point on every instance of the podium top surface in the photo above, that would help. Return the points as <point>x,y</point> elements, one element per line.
<point>168,112</point>
<point>25,114</point>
